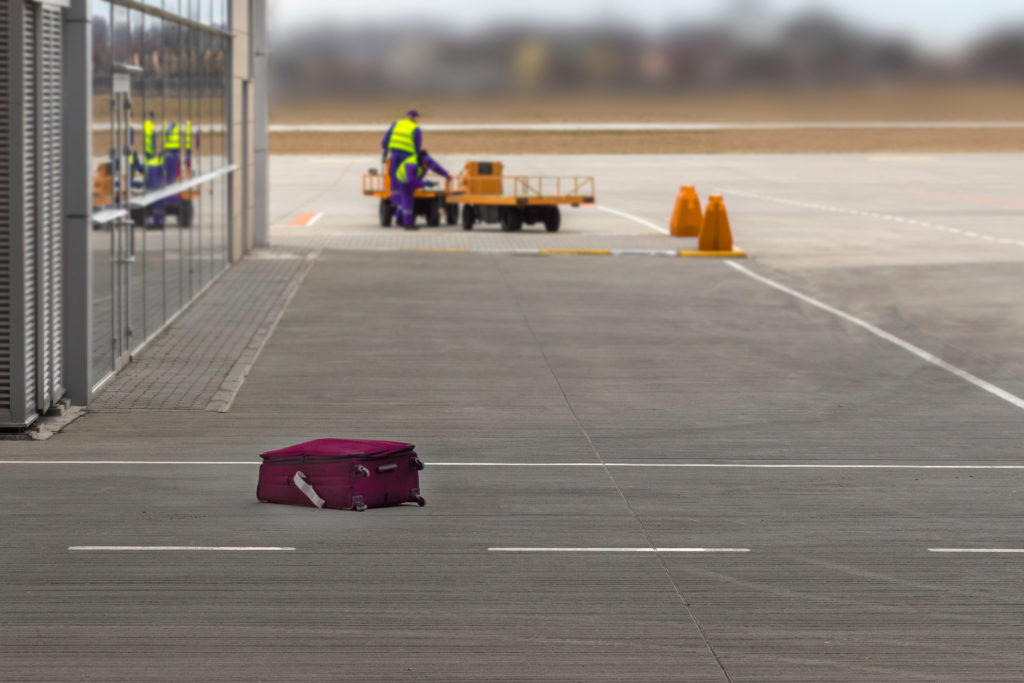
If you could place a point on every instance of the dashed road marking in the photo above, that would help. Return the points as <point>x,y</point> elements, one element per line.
<point>133,548</point>
<point>976,550</point>
<point>619,550</point>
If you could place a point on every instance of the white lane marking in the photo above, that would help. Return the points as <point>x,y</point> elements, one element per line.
<point>652,226</point>
<point>129,462</point>
<point>313,220</point>
<point>976,550</point>
<point>691,465</point>
<point>637,126</point>
<point>878,332</point>
<point>644,252</point>
<point>854,212</point>
<point>619,550</point>
<point>228,548</point>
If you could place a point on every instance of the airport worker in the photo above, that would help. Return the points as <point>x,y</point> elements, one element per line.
<point>154,163</point>
<point>172,151</point>
<point>428,163</point>
<point>402,139</point>
<point>409,178</point>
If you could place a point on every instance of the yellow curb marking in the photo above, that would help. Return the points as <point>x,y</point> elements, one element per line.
<point>580,252</point>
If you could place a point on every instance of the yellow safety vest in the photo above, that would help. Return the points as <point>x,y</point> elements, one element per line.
<point>172,137</point>
<point>148,139</point>
<point>188,135</point>
<point>403,136</point>
<point>408,166</point>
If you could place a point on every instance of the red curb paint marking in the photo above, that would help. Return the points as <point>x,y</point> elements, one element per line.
<point>965,198</point>
<point>303,220</point>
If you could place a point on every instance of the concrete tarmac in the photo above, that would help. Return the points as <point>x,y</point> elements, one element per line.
<point>613,403</point>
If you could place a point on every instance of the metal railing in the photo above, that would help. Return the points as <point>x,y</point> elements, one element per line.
<point>532,186</point>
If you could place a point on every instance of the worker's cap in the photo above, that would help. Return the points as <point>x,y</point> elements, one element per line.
<point>413,114</point>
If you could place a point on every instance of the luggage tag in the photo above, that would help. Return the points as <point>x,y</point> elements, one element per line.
<point>307,489</point>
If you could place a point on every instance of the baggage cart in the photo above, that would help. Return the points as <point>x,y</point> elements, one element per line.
<point>489,196</point>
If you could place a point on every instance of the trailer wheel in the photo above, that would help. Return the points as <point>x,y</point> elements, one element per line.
<point>434,213</point>
<point>451,213</point>
<point>468,217</point>
<point>386,212</point>
<point>552,219</point>
<point>511,220</point>
<point>185,212</point>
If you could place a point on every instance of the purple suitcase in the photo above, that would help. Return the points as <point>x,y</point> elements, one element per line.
<point>344,474</point>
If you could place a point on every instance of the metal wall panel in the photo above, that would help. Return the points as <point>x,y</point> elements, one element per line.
<point>31,210</point>
<point>30,202</point>
<point>6,219</point>
<point>49,225</point>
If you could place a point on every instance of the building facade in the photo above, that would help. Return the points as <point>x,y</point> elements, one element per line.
<point>132,174</point>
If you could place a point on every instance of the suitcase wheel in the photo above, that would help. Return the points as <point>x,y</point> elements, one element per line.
<point>421,501</point>
<point>416,464</point>
<point>357,504</point>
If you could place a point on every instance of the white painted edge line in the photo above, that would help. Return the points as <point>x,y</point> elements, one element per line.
<point>227,548</point>
<point>640,465</point>
<point>868,214</point>
<point>878,332</point>
<point>641,221</point>
<point>245,364</point>
<point>644,252</point>
<point>635,126</point>
<point>976,550</point>
<point>619,550</point>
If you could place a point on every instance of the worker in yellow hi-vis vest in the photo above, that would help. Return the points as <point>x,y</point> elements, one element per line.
<point>403,142</point>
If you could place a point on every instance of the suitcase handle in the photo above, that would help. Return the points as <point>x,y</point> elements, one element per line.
<point>386,468</point>
<point>359,471</point>
<point>307,489</point>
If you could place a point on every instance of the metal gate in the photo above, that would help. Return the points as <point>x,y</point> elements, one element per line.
<point>122,233</point>
<point>31,210</point>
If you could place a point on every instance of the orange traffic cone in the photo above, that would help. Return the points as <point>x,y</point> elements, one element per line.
<point>715,233</point>
<point>686,214</point>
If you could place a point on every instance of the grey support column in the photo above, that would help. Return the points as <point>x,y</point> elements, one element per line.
<point>261,137</point>
<point>78,200</point>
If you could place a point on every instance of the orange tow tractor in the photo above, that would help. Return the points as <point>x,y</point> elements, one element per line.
<point>488,196</point>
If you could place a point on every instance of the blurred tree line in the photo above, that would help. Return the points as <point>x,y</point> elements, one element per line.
<point>811,49</point>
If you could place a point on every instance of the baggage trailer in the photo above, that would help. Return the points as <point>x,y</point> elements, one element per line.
<point>488,196</point>
<point>430,201</point>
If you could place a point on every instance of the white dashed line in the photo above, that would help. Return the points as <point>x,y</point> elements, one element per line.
<point>619,550</point>
<point>133,548</point>
<point>976,550</point>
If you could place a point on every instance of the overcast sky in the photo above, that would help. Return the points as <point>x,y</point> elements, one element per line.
<point>933,24</point>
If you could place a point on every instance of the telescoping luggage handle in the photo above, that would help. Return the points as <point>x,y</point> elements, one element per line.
<point>361,471</point>
<point>308,490</point>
